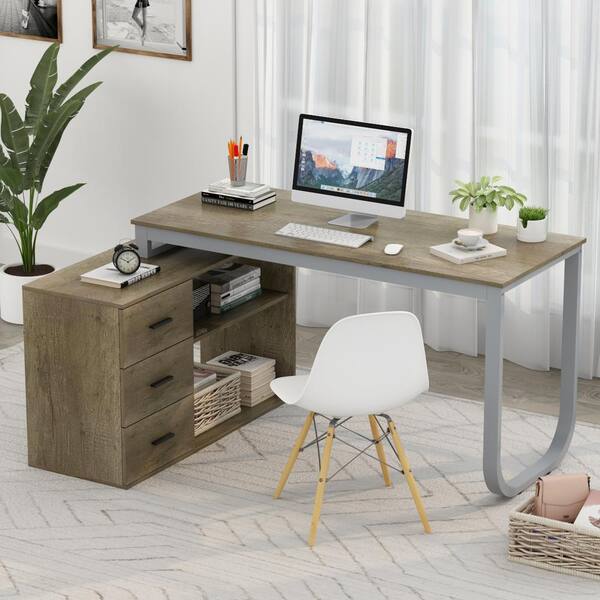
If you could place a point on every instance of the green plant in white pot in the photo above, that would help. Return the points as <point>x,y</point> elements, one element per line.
<point>26,152</point>
<point>483,198</point>
<point>532,225</point>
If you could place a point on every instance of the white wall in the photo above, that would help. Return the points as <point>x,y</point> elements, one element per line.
<point>154,132</point>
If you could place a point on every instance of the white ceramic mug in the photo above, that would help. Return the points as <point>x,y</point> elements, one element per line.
<point>470,237</point>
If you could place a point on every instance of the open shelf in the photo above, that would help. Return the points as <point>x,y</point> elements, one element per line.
<point>207,325</point>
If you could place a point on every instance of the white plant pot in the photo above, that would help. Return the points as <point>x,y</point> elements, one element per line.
<point>536,231</point>
<point>485,220</point>
<point>11,295</point>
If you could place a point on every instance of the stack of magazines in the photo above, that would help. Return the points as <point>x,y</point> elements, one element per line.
<point>257,372</point>
<point>250,196</point>
<point>232,285</point>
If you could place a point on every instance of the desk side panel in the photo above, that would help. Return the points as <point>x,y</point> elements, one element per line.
<point>73,387</point>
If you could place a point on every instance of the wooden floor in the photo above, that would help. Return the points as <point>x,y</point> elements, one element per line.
<point>452,374</point>
<point>457,375</point>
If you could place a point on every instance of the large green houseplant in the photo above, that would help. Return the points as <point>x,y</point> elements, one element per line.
<point>28,146</point>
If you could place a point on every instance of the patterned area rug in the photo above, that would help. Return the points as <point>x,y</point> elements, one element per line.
<point>208,529</point>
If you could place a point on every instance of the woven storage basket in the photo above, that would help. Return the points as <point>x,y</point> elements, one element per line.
<point>217,402</point>
<point>552,545</point>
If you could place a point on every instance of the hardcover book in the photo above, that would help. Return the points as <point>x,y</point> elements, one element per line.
<point>230,276</point>
<point>248,190</point>
<point>217,310</point>
<point>238,204</point>
<point>109,276</point>
<point>243,199</point>
<point>459,256</point>
<point>235,293</point>
<point>243,362</point>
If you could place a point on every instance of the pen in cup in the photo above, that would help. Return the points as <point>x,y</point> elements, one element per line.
<point>237,153</point>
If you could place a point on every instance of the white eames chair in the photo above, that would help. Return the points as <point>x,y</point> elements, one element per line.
<point>367,365</point>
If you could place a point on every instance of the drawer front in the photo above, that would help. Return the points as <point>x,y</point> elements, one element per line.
<point>156,382</point>
<point>158,439</point>
<point>156,323</point>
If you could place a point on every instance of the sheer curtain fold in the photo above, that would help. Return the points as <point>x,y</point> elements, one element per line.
<point>507,87</point>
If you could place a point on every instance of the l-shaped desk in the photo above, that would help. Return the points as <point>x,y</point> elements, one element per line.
<point>251,235</point>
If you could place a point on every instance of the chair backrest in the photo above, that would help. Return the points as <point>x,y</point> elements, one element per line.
<point>368,364</point>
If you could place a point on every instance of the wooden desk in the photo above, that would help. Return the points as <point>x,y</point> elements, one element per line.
<point>109,372</point>
<point>190,224</point>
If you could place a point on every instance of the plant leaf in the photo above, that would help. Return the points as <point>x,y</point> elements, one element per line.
<point>3,219</point>
<point>69,85</point>
<point>53,126</point>
<point>4,160</point>
<point>49,155</point>
<point>13,133</point>
<point>17,210</point>
<point>6,197</point>
<point>485,181</point>
<point>12,178</point>
<point>51,202</point>
<point>42,82</point>
<point>464,203</point>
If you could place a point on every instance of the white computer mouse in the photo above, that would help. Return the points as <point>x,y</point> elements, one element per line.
<point>393,249</point>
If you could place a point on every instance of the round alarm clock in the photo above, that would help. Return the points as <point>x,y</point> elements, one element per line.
<point>126,258</point>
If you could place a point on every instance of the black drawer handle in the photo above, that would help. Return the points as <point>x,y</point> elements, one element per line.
<point>161,323</point>
<point>161,382</point>
<point>163,439</point>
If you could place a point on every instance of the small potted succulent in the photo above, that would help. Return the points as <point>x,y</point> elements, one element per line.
<point>483,198</point>
<point>27,147</point>
<point>533,224</point>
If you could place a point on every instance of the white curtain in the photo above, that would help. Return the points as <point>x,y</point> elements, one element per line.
<point>490,87</point>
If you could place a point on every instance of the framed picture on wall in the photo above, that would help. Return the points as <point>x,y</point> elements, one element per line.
<point>153,27</point>
<point>32,19</point>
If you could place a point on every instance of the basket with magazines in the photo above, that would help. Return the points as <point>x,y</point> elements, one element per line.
<point>216,396</point>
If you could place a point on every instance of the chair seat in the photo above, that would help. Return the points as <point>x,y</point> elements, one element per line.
<point>289,389</point>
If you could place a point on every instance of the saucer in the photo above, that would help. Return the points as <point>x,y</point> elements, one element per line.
<point>480,246</point>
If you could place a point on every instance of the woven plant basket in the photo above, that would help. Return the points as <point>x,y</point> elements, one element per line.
<point>552,545</point>
<point>217,402</point>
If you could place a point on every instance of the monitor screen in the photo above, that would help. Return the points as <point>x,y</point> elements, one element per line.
<point>356,160</point>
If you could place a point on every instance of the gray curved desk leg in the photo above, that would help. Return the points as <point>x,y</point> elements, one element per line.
<point>492,431</point>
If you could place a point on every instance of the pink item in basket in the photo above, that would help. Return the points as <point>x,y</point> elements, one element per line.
<point>560,497</point>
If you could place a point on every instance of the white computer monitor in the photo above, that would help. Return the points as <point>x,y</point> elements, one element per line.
<point>353,166</point>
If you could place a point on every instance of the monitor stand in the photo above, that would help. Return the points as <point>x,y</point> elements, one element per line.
<point>354,220</point>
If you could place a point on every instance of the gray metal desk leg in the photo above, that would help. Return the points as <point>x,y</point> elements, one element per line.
<point>492,432</point>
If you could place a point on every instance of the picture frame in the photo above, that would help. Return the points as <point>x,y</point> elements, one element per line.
<point>44,20</point>
<point>160,28</point>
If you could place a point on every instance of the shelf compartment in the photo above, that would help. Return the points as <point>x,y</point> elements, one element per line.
<point>208,325</point>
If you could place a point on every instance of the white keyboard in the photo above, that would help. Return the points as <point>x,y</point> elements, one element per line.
<point>326,236</point>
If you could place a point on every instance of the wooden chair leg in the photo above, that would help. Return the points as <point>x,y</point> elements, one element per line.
<point>293,455</point>
<point>412,484</point>
<point>314,523</point>
<point>376,433</point>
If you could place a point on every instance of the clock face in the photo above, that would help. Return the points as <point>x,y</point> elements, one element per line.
<point>128,262</point>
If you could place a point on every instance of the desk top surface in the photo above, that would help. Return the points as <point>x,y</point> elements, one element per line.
<point>418,231</point>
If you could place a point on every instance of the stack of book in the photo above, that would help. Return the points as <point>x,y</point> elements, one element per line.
<point>257,372</point>
<point>232,285</point>
<point>250,196</point>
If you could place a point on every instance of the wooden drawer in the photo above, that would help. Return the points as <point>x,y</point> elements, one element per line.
<point>156,382</point>
<point>158,439</point>
<point>156,323</point>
